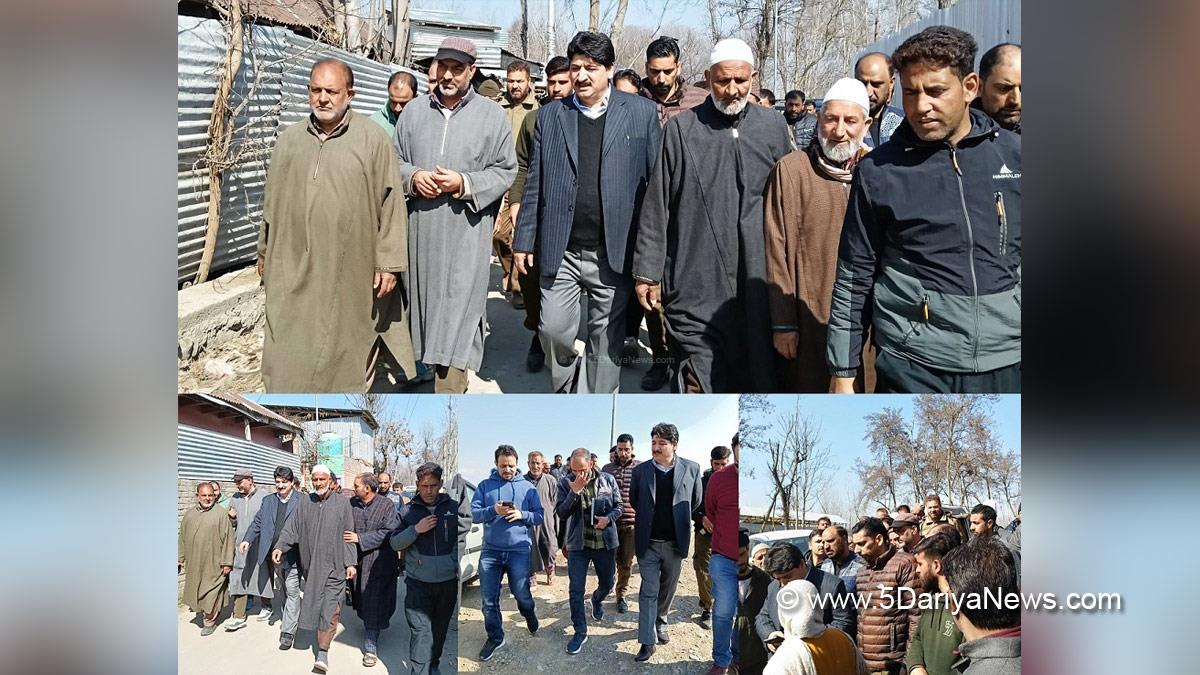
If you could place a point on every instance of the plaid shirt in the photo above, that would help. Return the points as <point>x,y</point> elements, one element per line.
<point>592,537</point>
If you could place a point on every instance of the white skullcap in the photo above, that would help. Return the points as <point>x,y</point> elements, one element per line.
<point>850,90</point>
<point>798,613</point>
<point>321,468</point>
<point>731,49</point>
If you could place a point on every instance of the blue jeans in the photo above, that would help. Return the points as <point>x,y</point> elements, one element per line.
<point>492,566</point>
<point>724,574</point>
<point>577,567</point>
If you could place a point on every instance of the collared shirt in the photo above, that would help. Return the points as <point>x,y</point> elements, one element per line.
<point>592,537</point>
<point>596,111</point>
<point>664,469</point>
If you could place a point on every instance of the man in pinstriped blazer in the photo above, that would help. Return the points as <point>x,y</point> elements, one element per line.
<point>592,157</point>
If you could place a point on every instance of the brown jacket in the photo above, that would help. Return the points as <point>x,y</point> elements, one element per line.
<point>686,96</point>
<point>624,476</point>
<point>805,207</point>
<point>883,633</point>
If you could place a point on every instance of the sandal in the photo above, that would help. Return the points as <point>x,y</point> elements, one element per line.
<point>370,660</point>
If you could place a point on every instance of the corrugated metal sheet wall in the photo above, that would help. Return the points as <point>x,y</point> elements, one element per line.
<point>207,455</point>
<point>274,78</point>
<point>990,21</point>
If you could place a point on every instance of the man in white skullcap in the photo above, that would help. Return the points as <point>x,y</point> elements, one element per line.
<point>326,559</point>
<point>700,250</point>
<point>806,204</point>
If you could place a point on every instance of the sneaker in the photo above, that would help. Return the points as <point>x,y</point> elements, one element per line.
<point>532,623</point>
<point>597,610</point>
<point>656,377</point>
<point>322,662</point>
<point>705,619</point>
<point>576,643</point>
<point>285,641</point>
<point>622,606</point>
<point>661,630</point>
<point>370,659</point>
<point>265,614</point>
<point>234,624</point>
<point>208,630</point>
<point>644,653</point>
<point>489,649</point>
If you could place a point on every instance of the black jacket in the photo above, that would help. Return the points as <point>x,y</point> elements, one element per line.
<point>931,245</point>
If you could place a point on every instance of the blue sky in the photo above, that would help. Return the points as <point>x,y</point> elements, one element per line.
<point>554,424</point>
<point>843,428</point>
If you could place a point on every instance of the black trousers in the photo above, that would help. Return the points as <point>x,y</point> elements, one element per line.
<point>429,608</point>
<point>898,375</point>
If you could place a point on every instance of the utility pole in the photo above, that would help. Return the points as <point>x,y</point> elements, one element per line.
<point>550,30</point>
<point>612,424</point>
<point>400,32</point>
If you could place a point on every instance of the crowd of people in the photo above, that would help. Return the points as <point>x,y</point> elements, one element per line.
<point>602,518</point>
<point>839,607</point>
<point>854,247</point>
<point>299,556</point>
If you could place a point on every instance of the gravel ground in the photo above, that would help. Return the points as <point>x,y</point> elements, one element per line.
<point>612,641</point>
<point>236,365</point>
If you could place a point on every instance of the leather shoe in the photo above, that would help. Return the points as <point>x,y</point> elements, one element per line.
<point>661,630</point>
<point>656,377</point>
<point>622,606</point>
<point>644,653</point>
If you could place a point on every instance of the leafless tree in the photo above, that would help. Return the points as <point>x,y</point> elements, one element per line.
<point>948,447</point>
<point>524,31</point>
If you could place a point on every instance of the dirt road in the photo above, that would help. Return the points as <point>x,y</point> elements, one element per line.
<point>255,648</point>
<point>612,643</point>
<point>236,364</point>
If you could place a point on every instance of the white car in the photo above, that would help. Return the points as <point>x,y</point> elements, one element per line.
<point>468,560</point>
<point>798,538</point>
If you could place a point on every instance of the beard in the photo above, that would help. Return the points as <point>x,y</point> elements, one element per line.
<point>839,153</point>
<point>734,108</point>
<point>450,90</point>
<point>332,115</point>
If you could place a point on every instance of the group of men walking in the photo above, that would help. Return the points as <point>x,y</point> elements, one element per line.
<point>603,519</point>
<point>299,554</point>
<point>861,247</point>
<point>839,607</point>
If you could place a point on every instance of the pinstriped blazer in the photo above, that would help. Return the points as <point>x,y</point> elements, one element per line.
<point>631,146</point>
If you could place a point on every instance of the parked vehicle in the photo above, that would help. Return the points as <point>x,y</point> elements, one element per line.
<point>468,560</point>
<point>798,538</point>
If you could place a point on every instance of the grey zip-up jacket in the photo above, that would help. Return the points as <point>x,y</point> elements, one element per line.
<point>432,557</point>
<point>931,253</point>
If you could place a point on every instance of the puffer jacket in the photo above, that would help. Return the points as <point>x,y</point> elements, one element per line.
<point>932,239</point>
<point>624,478</point>
<point>498,533</point>
<point>883,633</point>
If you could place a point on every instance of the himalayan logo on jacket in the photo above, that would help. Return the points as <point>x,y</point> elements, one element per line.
<point>1005,172</point>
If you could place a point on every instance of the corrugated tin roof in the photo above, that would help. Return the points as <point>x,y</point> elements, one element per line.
<point>251,409</point>
<point>207,455</point>
<point>302,13</point>
<point>446,18</point>
<point>273,82</point>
